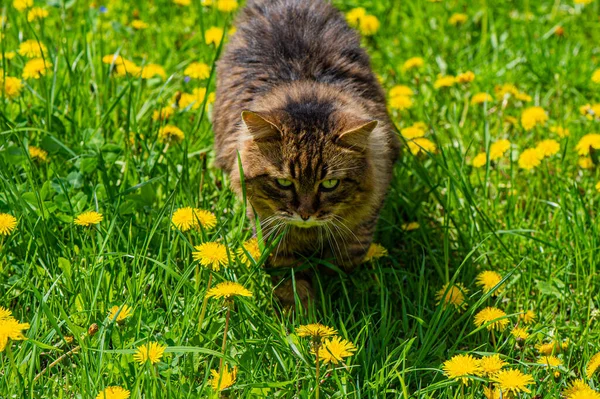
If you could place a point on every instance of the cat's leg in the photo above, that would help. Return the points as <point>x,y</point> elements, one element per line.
<point>286,290</point>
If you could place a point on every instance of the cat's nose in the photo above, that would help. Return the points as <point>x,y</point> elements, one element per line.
<point>304,217</point>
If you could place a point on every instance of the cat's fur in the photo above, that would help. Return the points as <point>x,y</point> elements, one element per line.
<point>317,113</point>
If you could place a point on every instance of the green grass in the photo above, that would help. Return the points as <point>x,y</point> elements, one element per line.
<point>538,228</point>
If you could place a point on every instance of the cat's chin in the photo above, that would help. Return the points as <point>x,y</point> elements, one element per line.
<point>306,224</point>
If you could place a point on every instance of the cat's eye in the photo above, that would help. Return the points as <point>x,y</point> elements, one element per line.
<point>329,185</point>
<point>285,183</point>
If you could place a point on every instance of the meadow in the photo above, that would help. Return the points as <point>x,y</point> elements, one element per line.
<point>128,268</point>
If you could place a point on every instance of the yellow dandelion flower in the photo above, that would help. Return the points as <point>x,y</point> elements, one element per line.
<point>22,5</point>
<point>220,382</point>
<point>585,163</point>
<point>123,312</point>
<point>580,390</point>
<point>127,68</point>
<point>211,255</point>
<point>10,87</point>
<point>401,90</point>
<point>452,295</point>
<point>249,247</point>
<point>513,381</point>
<point>169,133</point>
<point>598,187</point>
<point>481,98</point>
<point>9,55</point>
<point>7,224</point>
<point>550,361</point>
<point>369,25</point>
<point>498,149</point>
<point>410,226</point>
<point>354,16</point>
<point>507,90</point>
<point>583,2</point>
<point>491,393</point>
<point>227,5</point>
<point>5,313</point>
<point>182,2</point>
<point>550,348</point>
<point>113,393</point>
<point>480,160</point>
<point>213,35</point>
<point>196,99</point>
<point>10,328</point>
<point>227,290</point>
<point>530,158</point>
<point>533,116</point>
<point>493,318</point>
<point>32,49</point>
<point>334,350</point>
<point>596,76</point>
<point>444,81</point>
<point>462,368</point>
<point>163,114</point>
<point>37,153</point>
<point>491,365</point>
<point>315,331</point>
<point>375,251</point>
<point>590,111</point>
<point>151,352</point>
<point>487,280</point>
<point>36,68</point>
<point>152,70</point>
<point>412,132</point>
<point>413,63</point>
<point>138,24</point>
<point>560,131</point>
<point>465,77</point>
<point>548,147</point>
<point>593,365</point>
<point>458,19</point>
<point>401,103</point>
<point>520,333</point>
<point>37,13</point>
<point>527,317</point>
<point>197,70</point>
<point>87,219</point>
<point>187,218</point>
<point>421,144</point>
<point>587,142</point>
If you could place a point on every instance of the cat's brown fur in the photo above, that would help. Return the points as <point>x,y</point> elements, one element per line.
<point>297,99</point>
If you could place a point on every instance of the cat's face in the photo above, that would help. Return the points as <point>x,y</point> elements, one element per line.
<point>305,177</point>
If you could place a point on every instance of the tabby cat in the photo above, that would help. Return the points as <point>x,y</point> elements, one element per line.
<point>298,101</point>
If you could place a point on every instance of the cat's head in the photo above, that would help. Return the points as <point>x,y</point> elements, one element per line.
<point>307,165</point>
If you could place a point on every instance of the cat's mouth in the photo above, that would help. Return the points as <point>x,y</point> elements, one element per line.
<point>306,224</point>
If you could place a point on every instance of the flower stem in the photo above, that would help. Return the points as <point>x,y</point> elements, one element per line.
<point>11,357</point>
<point>317,347</point>
<point>204,304</point>
<point>225,336</point>
<point>493,339</point>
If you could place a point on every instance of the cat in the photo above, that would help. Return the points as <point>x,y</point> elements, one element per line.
<point>298,101</point>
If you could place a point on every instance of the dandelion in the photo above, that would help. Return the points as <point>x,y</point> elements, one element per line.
<point>491,365</point>
<point>498,149</point>
<point>37,13</point>
<point>163,114</point>
<point>113,393</point>
<point>596,76</point>
<point>213,35</point>
<point>227,5</point>
<point>487,280</point>
<point>585,163</point>
<point>10,328</point>
<point>416,130</point>
<point>375,251</point>
<point>182,2</point>
<point>465,77</point>
<point>549,348</point>
<point>401,90</point>
<point>410,226</point>
<point>458,19</point>
<point>22,5</point>
<point>401,103</point>
<point>87,219</point>
<point>481,98</point>
<point>170,133</point>
<point>334,350</point>
<point>586,142</point>
<point>420,144</point>
<point>593,365</point>
<point>590,111</point>
<point>197,70</point>
<point>251,248</point>
<point>38,154</point>
<point>9,55</point>
<point>580,390</point>
<point>316,331</point>
<point>493,318</point>
<point>462,368</point>
<point>513,381</point>
<point>550,361</point>
<point>491,393</point>
<point>220,382</point>
<point>560,131</point>
<point>138,24</point>
<point>507,90</point>
<point>227,290</point>
<point>452,295</point>
<point>10,87</point>
<point>32,49</point>
<point>548,147</point>
<point>151,352</point>
<point>598,187</point>
<point>413,63</point>
<point>7,224</point>
<point>369,25</point>
<point>520,333</point>
<point>120,313</point>
<point>530,158</point>
<point>152,70</point>
<point>583,2</point>
<point>186,218</point>
<point>35,68</point>
<point>479,160</point>
<point>527,317</point>
<point>533,116</point>
<point>444,81</point>
<point>194,100</point>
<point>354,16</point>
<point>211,255</point>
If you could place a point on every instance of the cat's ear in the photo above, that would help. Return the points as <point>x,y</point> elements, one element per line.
<point>260,128</point>
<point>357,138</point>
